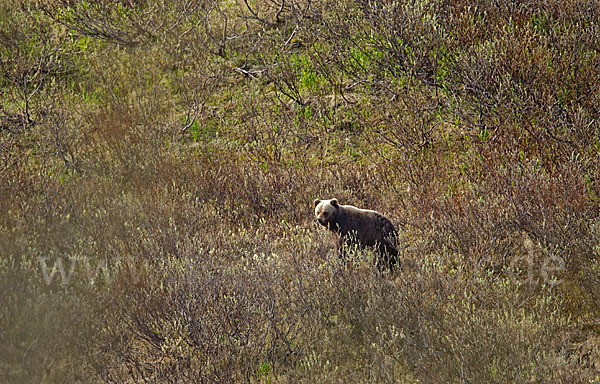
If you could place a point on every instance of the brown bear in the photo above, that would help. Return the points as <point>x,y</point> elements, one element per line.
<point>360,227</point>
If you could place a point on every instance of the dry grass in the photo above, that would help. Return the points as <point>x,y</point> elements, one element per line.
<point>158,161</point>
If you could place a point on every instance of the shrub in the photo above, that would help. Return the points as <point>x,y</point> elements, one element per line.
<point>158,161</point>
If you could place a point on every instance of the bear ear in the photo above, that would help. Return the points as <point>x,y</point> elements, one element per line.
<point>334,202</point>
<point>316,202</point>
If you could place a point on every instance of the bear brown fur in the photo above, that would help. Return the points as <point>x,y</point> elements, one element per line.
<point>360,227</point>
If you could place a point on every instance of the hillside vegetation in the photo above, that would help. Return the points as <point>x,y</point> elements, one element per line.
<point>159,159</point>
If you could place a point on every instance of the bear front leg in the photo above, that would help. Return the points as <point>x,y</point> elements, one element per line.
<point>342,249</point>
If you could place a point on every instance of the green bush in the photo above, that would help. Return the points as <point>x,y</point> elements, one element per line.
<point>158,163</point>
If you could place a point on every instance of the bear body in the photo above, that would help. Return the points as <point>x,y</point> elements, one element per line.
<point>360,227</point>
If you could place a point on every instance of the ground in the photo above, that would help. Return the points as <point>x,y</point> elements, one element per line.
<point>158,163</point>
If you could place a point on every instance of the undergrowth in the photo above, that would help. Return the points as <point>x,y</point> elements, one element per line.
<point>158,160</point>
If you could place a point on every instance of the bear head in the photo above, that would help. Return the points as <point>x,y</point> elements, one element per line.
<point>326,211</point>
